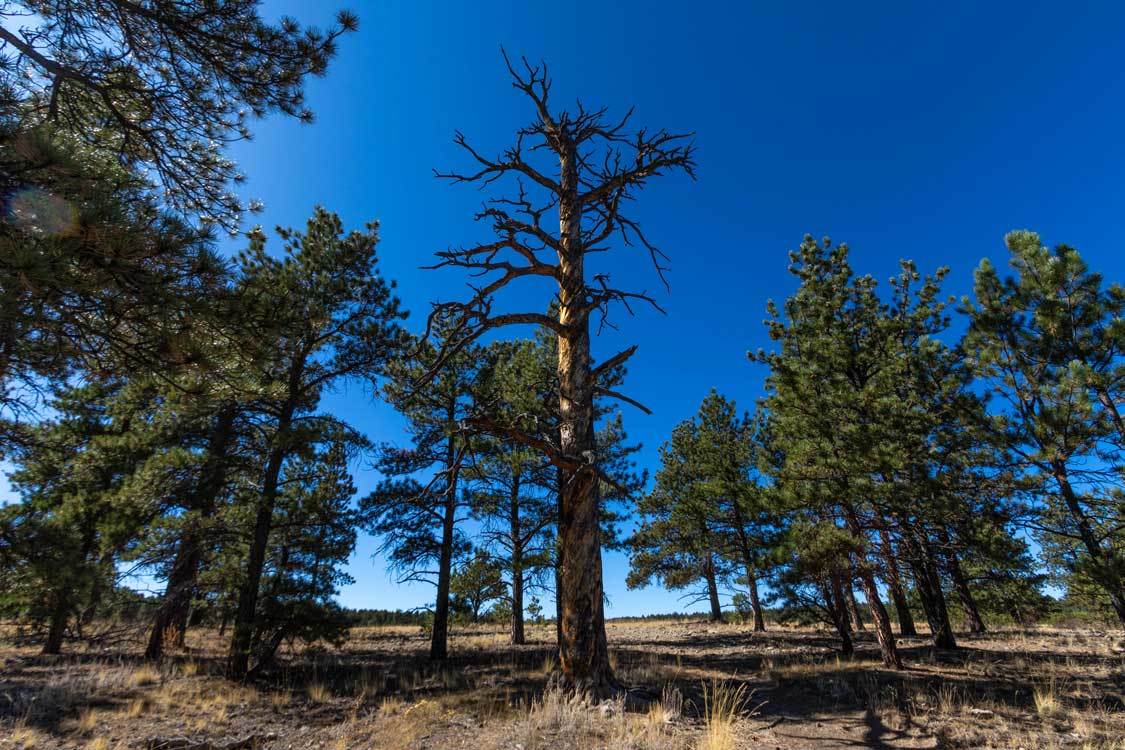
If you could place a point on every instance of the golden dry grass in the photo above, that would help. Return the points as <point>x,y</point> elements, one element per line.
<point>723,705</point>
<point>1034,688</point>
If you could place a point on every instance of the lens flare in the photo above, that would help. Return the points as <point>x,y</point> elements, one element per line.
<point>35,210</point>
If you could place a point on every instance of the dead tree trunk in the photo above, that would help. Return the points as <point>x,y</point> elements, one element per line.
<point>600,168</point>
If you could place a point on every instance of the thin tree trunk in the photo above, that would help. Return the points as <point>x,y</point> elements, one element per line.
<point>1107,401</point>
<point>1106,565</point>
<point>518,638</point>
<point>65,595</point>
<point>928,583</point>
<point>751,569</point>
<point>756,604</point>
<point>87,615</point>
<point>894,583</point>
<point>883,633</point>
<point>712,589</point>
<point>834,600</point>
<point>177,594</point>
<point>853,607</point>
<point>238,659</point>
<point>583,653</point>
<point>439,637</point>
<point>973,620</point>
<point>180,626</point>
<point>56,628</point>
<point>176,603</point>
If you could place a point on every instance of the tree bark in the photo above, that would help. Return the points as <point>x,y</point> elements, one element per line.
<point>56,628</point>
<point>973,620</point>
<point>928,583</point>
<point>439,637</point>
<point>853,607</point>
<point>894,583</point>
<point>180,586</point>
<point>756,604</point>
<point>712,589</point>
<point>834,600</point>
<point>583,654</point>
<point>1106,566</point>
<point>883,633</point>
<point>177,594</point>
<point>751,568</point>
<point>518,638</point>
<point>238,659</point>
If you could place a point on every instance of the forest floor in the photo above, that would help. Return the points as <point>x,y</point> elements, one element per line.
<point>1036,689</point>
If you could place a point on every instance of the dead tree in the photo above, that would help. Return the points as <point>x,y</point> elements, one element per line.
<point>583,169</point>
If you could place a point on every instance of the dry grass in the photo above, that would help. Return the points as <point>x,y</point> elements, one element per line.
<point>566,720</point>
<point>136,707</point>
<point>87,721</point>
<point>318,692</point>
<point>1034,688</point>
<point>145,675</point>
<point>722,707</point>
<point>1047,702</point>
<point>26,737</point>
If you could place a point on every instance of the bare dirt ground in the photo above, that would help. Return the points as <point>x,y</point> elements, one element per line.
<point>723,687</point>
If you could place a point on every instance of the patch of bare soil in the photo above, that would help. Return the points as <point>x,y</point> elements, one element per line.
<point>712,687</point>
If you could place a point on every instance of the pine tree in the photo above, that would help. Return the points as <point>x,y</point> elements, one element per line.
<point>316,534</point>
<point>476,583</point>
<point>72,524</point>
<point>162,87</point>
<point>1049,344</point>
<point>826,401</point>
<point>93,276</point>
<point>325,313</point>
<point>676,542</point>
<point>812,573</point>
<point>419,520</point>
<point>726,452</point>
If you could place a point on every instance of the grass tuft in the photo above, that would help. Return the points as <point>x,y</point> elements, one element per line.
<point>722,706</point>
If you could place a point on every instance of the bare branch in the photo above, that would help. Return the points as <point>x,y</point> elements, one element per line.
<point>614,361</point>
<point>622,397</point>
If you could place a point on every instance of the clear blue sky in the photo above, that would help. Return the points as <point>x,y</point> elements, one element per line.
<point>907,131</point>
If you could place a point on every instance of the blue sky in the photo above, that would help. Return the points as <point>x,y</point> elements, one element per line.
<point>907,130</point>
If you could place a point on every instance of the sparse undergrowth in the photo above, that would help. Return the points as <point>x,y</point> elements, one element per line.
<point>720,687</point>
